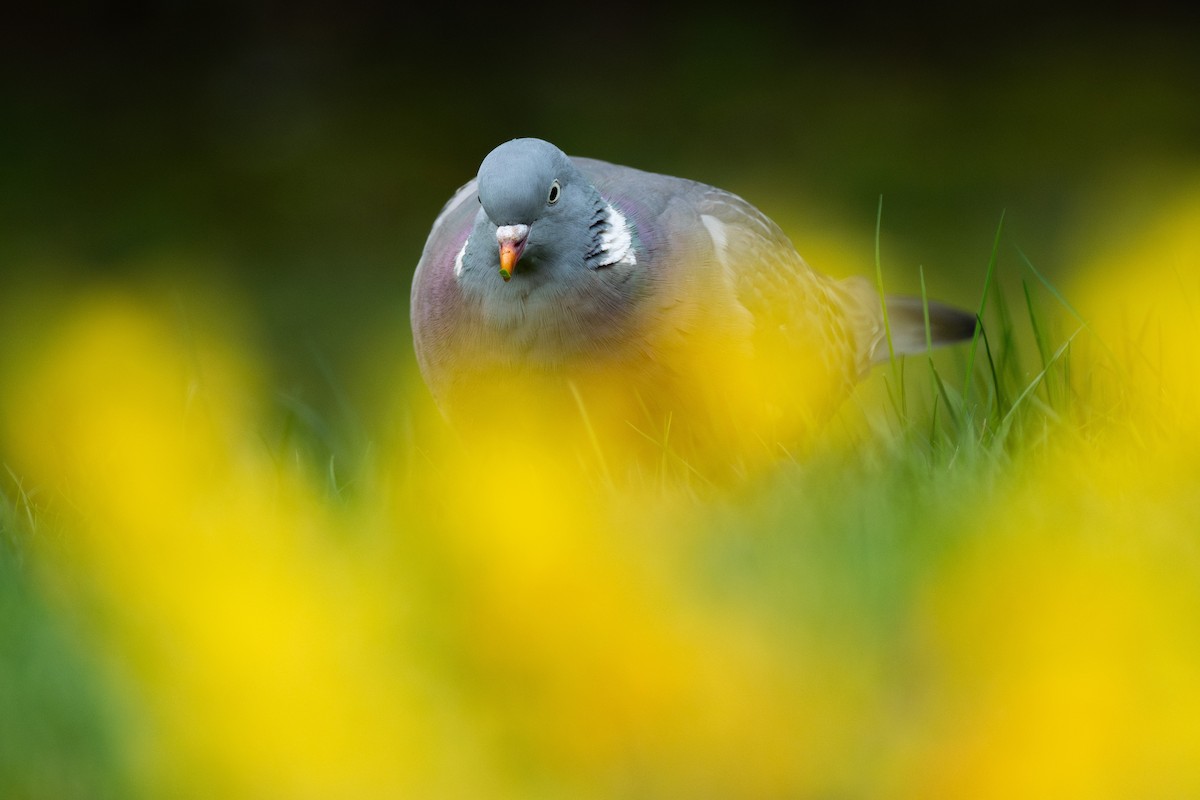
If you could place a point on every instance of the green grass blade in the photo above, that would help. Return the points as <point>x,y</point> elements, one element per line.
<point>1006,423</point>
<point>1008,363</point>
<point>997,387</point>
<point>593,439</point>
<point>937,379</point>
<point>1039,338</point>
<point>987,283</point>
<point>887,328</point>
<point>1050,287</point>
<point>1074,312</point>
<point>925,311</point>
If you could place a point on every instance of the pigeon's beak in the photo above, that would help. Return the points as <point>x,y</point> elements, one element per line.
<point>511,239</point>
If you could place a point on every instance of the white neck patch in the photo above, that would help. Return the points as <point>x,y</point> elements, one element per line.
<point>616,242</point>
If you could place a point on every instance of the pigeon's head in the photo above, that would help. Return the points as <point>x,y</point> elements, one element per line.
<point>539,202</point>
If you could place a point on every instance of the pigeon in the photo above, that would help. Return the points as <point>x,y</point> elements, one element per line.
<point>647,313</point>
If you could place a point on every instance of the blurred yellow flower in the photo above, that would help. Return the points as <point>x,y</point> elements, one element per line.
<point>1066,635</point>
<point>221,594</point>
<point>508,616</point>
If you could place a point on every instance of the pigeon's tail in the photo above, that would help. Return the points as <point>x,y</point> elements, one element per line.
<point>905,323</point>
<point>907,326</point>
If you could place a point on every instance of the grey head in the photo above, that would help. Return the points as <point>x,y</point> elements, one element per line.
<point>540,219</point>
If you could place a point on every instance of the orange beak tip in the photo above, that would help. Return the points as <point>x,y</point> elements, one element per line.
<point>512,244</point>
<point>508,261</point>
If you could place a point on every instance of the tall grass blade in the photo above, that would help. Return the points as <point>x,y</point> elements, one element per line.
<point>1006,423</point>
<point>997,388</point>
<point>591,433</point>
<point>1053,290</point>
<point>937,379</point>
<point>987,283</point>
<point>887,328</point>
<point>1038,338</point>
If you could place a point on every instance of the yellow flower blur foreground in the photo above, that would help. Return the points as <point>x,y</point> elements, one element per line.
<point>496,618</point>
<point>493,624</point>
<point>1066,634</point>
<point>250,642</point>
<point>1142,300</point>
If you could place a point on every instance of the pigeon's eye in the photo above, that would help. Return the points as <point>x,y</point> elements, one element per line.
<point>555,191</point>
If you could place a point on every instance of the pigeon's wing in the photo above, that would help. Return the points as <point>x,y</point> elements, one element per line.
<point>712,249</point>
<point>437,302</point>
<point>793,306</point>
<point>450,230</point>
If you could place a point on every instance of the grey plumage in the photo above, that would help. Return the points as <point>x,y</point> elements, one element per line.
<point>664,306</point>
